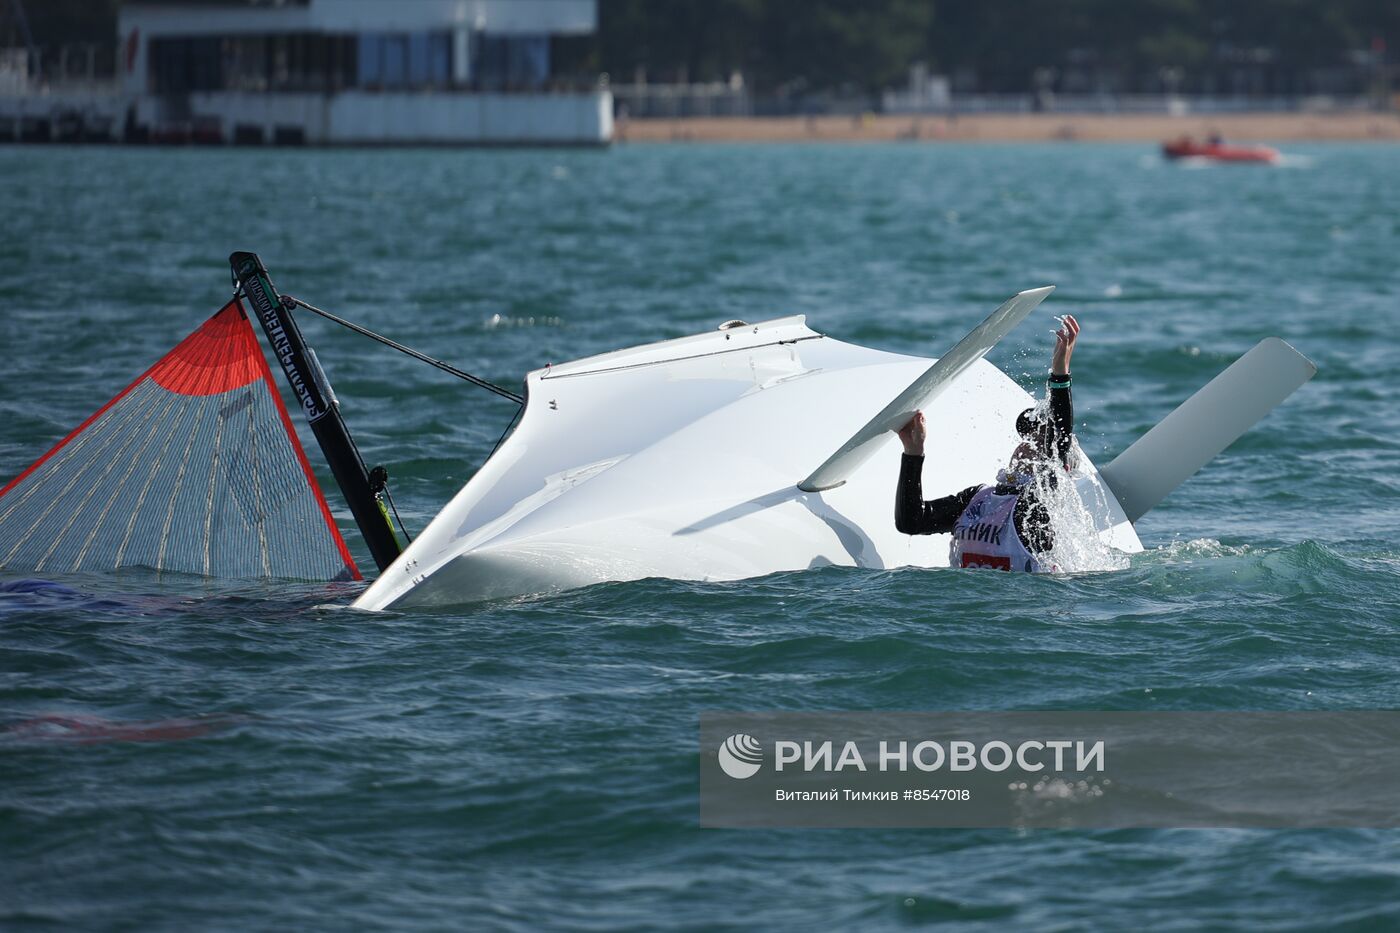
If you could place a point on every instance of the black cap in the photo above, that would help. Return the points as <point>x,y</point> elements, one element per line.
<point>1026,423</point>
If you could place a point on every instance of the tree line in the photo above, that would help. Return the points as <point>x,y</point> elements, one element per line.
<point>800,46</point>
<point>996,45</point>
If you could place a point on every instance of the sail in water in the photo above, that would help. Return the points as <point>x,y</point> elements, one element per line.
<point>193,468</point>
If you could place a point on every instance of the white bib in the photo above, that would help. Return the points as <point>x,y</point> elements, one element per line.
<point>985,535</point>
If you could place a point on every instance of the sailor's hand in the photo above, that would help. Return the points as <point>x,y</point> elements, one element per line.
<point>1065,337</point>
<point>913,434</point>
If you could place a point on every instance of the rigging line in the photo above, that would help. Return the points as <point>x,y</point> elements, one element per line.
<point>402,527</point>
<point>677,359</point>
<point>502,438</point>
<point>390,496</point>
<point>421,357</point>
<point>355,448</point>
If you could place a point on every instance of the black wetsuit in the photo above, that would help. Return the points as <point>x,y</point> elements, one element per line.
<point>913,515</point>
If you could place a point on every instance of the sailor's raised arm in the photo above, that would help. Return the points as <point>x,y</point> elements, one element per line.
<point>1058,389</point>
<point>912,514</point>
<point>1065,337</point>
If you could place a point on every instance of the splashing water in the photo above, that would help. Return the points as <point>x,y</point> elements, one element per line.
<point>1079,546</point>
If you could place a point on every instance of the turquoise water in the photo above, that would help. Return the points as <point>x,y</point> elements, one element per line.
<point>179,754</point>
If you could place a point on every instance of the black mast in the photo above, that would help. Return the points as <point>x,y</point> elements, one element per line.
<point>318,403</point>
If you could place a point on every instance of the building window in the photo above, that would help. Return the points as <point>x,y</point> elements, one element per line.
<point>395,61</point>
<point>182,66</point>
<point>440,59</point>
<point>304,62</point>
<point>513,62</point>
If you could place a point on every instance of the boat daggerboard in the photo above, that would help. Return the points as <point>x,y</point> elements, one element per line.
<point>194,468</point>
<point>1173,450</point>
<point>922,391</point>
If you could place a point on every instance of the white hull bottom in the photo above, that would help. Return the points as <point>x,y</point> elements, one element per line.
<point>795,537</point>
<point>681,460</point>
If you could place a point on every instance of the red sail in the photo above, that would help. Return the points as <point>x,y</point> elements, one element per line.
<point>193,468</point>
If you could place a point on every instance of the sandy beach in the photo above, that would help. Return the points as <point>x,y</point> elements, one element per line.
<point>1263,127</point>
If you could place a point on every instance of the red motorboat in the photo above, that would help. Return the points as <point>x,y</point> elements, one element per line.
<point>1217,151</point>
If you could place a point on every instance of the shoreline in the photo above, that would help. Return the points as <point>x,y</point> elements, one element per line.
<point>1370,126</point>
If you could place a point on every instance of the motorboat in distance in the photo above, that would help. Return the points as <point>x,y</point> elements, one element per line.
<point>1215,150</point>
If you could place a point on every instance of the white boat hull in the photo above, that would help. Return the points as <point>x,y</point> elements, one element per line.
<point>681,459</point>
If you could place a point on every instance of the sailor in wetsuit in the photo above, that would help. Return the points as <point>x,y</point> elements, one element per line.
<point>1005,526</point>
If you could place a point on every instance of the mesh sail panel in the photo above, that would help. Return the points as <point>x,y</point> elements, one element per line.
<point>194,467</point>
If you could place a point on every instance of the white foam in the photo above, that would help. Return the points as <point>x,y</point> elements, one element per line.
<point>1079,548</point>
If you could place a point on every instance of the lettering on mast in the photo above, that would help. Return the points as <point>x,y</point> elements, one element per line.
<point>310,400</point>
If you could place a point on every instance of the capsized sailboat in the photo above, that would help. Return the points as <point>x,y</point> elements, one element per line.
<point>766,447</point>
<point>744,451</point>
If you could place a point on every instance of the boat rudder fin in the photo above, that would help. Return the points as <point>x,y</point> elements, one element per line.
<point>1174,449</point>
<point>922,391</point>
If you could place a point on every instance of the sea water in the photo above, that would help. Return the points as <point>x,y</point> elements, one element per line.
<point>180,754</point>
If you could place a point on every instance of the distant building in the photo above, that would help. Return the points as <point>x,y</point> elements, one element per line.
<point>14,71</point>
<point>357,72</point>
